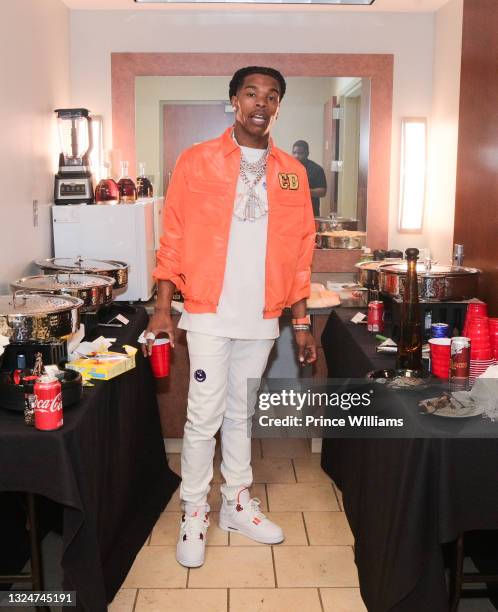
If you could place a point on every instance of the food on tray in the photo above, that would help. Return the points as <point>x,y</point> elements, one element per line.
<point>321,297</point>
<point>457,405</point>
<point>432,404</point>
<point>403,382</point>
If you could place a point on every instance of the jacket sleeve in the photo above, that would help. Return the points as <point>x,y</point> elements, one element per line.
<point>302,279</point>
<point>169,255</point>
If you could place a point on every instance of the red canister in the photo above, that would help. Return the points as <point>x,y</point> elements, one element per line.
<point>48,409</point>
<point>375,321</point>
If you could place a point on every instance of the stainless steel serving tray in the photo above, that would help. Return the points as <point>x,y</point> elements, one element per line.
<point>440,283</point>
<point>94,290</point>
<point>341,239</point>
<point>368,271</point>
<point>31,317</point>
<point>325,224</point>
<point>118,270</point>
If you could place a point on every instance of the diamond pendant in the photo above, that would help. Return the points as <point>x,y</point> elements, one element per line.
<point>251,203</point>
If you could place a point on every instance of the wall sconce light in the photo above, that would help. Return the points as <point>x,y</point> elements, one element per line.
<point>97,152</point>
<point>412,174</point>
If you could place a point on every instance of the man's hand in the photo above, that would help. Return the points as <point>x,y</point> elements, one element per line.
<point>306,347</point>
<point>160,322</point>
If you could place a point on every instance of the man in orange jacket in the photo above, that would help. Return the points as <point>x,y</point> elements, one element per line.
<point>238,241</point>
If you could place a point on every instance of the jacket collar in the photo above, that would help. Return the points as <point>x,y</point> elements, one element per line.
<point>229,145</point>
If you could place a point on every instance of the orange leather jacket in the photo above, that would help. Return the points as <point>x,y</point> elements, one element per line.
<point>197,217</point>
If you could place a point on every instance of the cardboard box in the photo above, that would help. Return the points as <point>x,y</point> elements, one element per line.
<point>101,368</point>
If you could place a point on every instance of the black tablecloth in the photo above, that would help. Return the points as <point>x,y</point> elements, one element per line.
<point>404,497</point>
<point>106,467</point>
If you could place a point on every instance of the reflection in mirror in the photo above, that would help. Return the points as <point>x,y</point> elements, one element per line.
<point>330,114</point>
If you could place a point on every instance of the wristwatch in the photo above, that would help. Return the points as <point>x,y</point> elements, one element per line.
<point>302,321</point>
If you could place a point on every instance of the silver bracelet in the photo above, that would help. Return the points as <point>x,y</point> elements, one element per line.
<point>301,327</point>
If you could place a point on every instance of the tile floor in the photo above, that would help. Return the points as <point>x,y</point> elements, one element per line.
<point>313,569</point>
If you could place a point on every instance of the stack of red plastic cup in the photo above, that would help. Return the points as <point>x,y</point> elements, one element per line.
<point>493,337</point>
<point>440,356</point>
<point>474,309</point>
<point>481,355</point>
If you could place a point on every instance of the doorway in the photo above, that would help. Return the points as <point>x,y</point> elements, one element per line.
<point>186,124</point>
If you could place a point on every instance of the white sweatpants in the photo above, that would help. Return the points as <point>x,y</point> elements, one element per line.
<point>218,397</point>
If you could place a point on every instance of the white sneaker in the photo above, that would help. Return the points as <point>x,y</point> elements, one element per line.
<point>191,546</point>
<point>244,516</point>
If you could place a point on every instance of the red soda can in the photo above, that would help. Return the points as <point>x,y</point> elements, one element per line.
<point>48,409</point>
<point>460,363</point>
<point>375,321</point>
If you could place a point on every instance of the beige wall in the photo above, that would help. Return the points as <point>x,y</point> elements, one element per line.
<point>35,81</point>
<point>409,36</point>
<point>300,117</point>
<point>444,130</point>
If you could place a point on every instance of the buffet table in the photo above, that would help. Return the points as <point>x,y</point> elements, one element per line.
<point>404,498</point>
<point>106,468</point>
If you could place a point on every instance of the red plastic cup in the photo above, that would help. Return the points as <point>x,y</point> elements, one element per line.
<point>478,367</point>
<point>440,356</point>
<point>478,330</point>
<point>474,309</point>
<point>477,309</point>
<point>480,344</point>
<point>441,371</point>
<point>481,354</point>
<point>493,331</point>
<point>160,357</point>
<point>478,322</point>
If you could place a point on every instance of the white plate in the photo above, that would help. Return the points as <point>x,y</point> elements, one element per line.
<point>463,413</point>
<point>463,407</point>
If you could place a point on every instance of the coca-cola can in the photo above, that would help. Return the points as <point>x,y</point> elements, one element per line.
<point>48,409</point>
<point>375,320</point>
<point>459,362</point>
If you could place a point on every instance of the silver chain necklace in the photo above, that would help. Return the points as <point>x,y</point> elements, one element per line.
<point>257,170</point>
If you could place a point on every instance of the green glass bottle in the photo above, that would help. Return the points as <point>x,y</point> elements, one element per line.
<point>409,356</point>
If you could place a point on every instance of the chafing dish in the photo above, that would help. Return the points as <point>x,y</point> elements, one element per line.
<point>368,271</point>
<point>341,239</point>
<point>435,283</point>
<point>94,290</point>
<point>28,317</point>
<point>118,270</point>
<point>327,224</point>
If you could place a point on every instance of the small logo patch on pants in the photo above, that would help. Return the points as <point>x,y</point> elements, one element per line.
<point>200,375</point>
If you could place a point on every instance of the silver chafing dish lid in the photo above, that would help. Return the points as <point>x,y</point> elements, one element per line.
<point>35,304</point>
<point>376,265</point>
<point>81,264</point>
<point>61,281</point>
<point>435,270</point>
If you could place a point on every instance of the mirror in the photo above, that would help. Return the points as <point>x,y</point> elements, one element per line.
<point>330,114</point>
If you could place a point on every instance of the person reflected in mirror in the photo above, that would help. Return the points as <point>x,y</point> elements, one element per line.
<point>316,175</point>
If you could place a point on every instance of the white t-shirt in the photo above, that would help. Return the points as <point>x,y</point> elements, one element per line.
<point>240,310</point>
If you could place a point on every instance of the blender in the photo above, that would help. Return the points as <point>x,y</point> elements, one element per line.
<point>73,182</point>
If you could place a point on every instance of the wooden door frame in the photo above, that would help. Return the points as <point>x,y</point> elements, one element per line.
<point>125,67</point>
